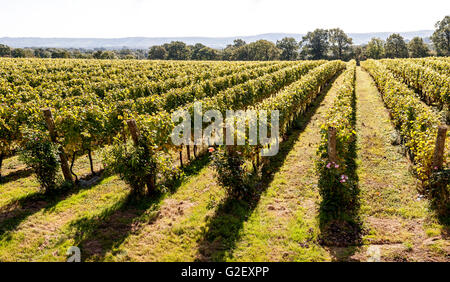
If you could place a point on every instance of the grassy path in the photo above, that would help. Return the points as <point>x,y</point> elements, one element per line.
<point>397,219</point>
<point>284,226</point>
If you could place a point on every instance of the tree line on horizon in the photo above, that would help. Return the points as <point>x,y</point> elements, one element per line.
<point>316,45</point>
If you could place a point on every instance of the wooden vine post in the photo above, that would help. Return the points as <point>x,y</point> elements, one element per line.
<point>188,150</point>
<point>1,162</point>
<point>135,135</point>
<point>134,131</point>
<point>438,155</point>
<point>332,153</point>
<point>53,135</point>
<point>181,157</point>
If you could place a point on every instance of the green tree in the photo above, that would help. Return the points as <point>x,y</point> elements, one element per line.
<point>18,53</point>
<point>358,53</point>
<point>227,53</point>
<point>82,54</point>
<point>375,49</point>
<point>441,37</point>
<point>239,43</point>
<point>236,51</point>
<point>417,48</point>
<point>108,55</point>
<point>42,53</point>
<point>396,47</point>
<point>315,44</point>
<point>262,50</point>
<point>157,53</point>
<point>126,54</point>
<point>61,53</point>
<point>104,55</point>
<point>29,53</point>
<point>207,53</point>
<point>240,53</point>
<point>177,50</point>
<point>289,48</point>
<point>340,44</point>
<point>195,51</point>
<point>97,54</point>
<point>5,51</point>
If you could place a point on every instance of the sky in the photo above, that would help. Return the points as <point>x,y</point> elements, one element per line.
<point>211,18</point>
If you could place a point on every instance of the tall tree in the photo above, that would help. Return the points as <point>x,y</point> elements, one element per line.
<point>289,48</point>
<point>441,37</point>
<point>18,53</point>
<point>157,53</point>
<point>396,47</point>
<point>104,55</point>
<point>375,49</point>
<point>206,53</point>
<point>315,44</point>
<point>263,50</point>
<point>358,53</point>
<point>227,53</point>
<point>126,54</point>
<point>60,53</point>
<point>42,53</point>
<point>195,51</point>
<point>340,43</point>
<point>239,43</point>
<point>240,53</point>
<point>177,50</point>
<point>5,51</point>
<point>417,48</point>
<point>97,54</point>
<point>108,55</point>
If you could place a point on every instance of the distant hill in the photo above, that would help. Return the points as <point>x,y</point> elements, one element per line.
<point>145,42</point>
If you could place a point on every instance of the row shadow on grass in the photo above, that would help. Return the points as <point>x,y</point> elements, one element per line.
<point>16,175</point>
<point>223,228</point>
<point>101,233</point>
<point>15,212</point>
